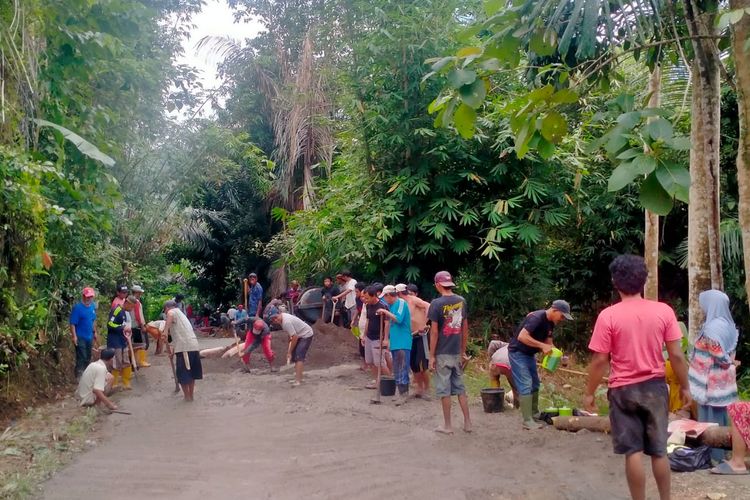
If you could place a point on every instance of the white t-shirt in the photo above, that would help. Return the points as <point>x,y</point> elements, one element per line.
<point>292,325</point>
<point>232,313</point>
<point>94,377</point>
<point>350,300</point>
<point>362,321</point>
<point>500,355</point>
<point>183,336</point>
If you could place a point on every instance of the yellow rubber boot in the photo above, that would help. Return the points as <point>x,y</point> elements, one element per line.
<point>141,356</point>
<point>495,383</point>
<point>127,374</point>
<point>115,379</point>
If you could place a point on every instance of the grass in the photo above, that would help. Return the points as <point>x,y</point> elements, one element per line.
<point>49,451</point>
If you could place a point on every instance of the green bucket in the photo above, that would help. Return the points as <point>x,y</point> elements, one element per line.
<point>552,360</point>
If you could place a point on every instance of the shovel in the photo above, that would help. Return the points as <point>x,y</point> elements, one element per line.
<point>376,399</point>
<point>132,356</point>
<point>174,371</point>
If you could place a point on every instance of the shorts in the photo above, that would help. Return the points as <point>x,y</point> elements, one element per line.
<point>185,376</point>
<point>300,350</point>
<point>419,362</point>
<point>121,359</point>
<point>449,377</point>
<point>638,416</point>
<point>372,353</point>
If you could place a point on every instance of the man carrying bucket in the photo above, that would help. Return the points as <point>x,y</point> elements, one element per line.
<point>533,335</point>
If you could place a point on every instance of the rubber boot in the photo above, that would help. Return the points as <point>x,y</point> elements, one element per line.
<point>528,422</point>
<point>115,380</point>
<point>127,374</point>
<point>141,357</point>
<point>535,406</point>
<point>494,383</point>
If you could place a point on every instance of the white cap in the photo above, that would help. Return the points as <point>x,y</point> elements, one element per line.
<point>136,288</point>
<point>388,289</point>
<point>400,287</point>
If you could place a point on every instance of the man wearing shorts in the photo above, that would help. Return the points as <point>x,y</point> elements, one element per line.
<point>300,338</point>
<point>371,339</point>
<point>449,331</point>
<point>398,338</point>
<point>419,362</point>
<point>184,347</point>
<point>118,335</point>
<point>628,337</point>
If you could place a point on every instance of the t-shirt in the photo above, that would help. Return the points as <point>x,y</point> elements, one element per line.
<point>633,333</point>
<point>373,320</point>
<point>292,325</point>
<point>115,329</point>
<point>351,298</point>
<point>449,313</point>
<point>499,352</point>
<point>232,313</point>
<point>540,328</point>
<point>83,317</point>
<point>181,331</point>
<point>93,377</point>
<point>255,297</point>
<point>418,310</point>
<point>239,315</point>
<point>329,292</point>
<point>400,331</point>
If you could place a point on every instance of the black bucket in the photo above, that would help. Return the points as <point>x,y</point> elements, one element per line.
<point>387,386</point>
<point>493,399</point>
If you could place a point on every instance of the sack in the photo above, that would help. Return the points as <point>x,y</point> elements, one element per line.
<point>684,459</point>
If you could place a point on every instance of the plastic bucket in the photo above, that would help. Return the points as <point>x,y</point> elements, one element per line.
<point>565,412</point>
<point>552,360</point>
<point>552,412</point>
<point>387,386</point>
<point>492,399</point>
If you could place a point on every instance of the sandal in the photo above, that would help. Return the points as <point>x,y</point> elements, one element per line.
<point>726,470</point>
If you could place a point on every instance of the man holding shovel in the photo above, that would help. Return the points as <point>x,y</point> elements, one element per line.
<point>184,346</point>
<point>118,338</point>
<point>449,331</point>
<point>300,338</point>
<point>373,335</point>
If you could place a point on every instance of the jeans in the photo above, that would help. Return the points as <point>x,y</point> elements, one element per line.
<point>83,355</point>
<point>525,376</point>
<point>401,366</point>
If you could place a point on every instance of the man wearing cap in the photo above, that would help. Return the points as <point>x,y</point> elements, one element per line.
<point>449,332</point>
<point>254,296</point>
<point>118,333</point>
<point>83,329</point>
<point>96,382</point>
<point>420,347</point>
<point>533,335</point>
<point>259,336</point>
<point>184,347</point>
<point>398,338</point>
<point>138,323</point>
<point>300,338</point>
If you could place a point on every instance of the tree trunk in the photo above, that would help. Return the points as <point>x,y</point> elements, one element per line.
<point>740,37</point>
<point>651,230</point>
<point>704,252</point>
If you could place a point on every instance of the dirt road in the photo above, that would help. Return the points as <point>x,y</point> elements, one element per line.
<point>254,436</point>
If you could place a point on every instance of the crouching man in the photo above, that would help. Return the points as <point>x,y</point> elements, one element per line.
<point>96,382</point>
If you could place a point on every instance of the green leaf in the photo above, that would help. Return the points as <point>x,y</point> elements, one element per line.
<point>492,64</point>
<point>523,137</point>
<point>675,179</point>
<point>629,153</point>
<point>457,78</point>
<point>622,176</point>
<point>492,6</point>
<point>461,246</point>
<point>441,63</point>
<point>438,103</point>
<point>680,143</point>
<point>473,94</point>
<point>469,51</point>
<point>625,102</point>
<point>644,164</point>
<point>616,141</point>
<point>659,129</point>
<point>541,94</point>
<point>554,127</point>
<point>564,96</point>
<point>653,197</point>
<point>629,120</point>
<point>464,119</point>
<point>545,148</point>
<point>541,43</point>
<point>84,146</point>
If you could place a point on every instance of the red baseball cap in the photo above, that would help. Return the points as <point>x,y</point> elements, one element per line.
<point>88,292</point>
<point>444,278</point>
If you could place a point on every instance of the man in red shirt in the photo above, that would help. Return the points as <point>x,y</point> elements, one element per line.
<point>628,336</point>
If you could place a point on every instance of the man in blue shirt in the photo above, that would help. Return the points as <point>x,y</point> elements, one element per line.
<point>83,329</point>
<point>254,296</point>
<point>398,338</point>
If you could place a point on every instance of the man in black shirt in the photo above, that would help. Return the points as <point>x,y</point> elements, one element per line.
<point>533,335</point>
<point>372,334</point>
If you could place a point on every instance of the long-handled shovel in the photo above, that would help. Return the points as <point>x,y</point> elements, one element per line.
<point>376,399</point>
<point>333,310</point>
<point>174,370</point>
<point>134,362</point>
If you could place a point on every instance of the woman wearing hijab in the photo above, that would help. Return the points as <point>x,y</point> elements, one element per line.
<point>712,375</point>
